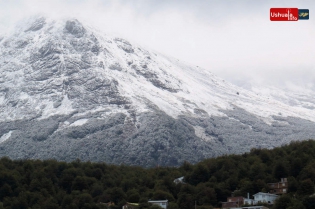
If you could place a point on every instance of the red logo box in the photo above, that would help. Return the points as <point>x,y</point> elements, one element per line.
<point>284,14</point>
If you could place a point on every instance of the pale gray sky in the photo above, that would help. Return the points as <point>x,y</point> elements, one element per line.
<point>233,39</point>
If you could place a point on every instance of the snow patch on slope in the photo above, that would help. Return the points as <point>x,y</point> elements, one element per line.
<point>5,136</point>
<point>79,122</point>
<point>200,132</point>
<point>49,110</point>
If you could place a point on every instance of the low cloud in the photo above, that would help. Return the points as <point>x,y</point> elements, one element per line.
<point>234,40</point>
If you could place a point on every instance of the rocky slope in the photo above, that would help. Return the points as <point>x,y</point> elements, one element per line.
<point>67,91</point>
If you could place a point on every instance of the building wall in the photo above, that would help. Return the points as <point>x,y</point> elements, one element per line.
<point>249,201</point>
<point>240,200</point>
<point>161,204</point>
<point>279,187</point>
<point>265,197</point>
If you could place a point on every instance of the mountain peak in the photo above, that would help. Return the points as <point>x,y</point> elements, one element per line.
<point>63,81</point>
<point>75,28</point>
<point>37,24</point>
<point>86,61</point>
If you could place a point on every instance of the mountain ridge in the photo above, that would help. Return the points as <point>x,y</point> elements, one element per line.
<point>69,89</point>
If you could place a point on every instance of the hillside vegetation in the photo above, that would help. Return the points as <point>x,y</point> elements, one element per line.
<point>53,184</point>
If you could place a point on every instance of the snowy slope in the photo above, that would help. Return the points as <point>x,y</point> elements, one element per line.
<point>68,78</point>
<point>303,98</point>
<point>172,86</point>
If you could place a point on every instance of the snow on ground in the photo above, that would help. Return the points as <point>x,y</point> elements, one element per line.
<point>6,136</point>
<point>49,110</point>
<point>197,88</point>
<point>79,122</point>
<point>200,132</point>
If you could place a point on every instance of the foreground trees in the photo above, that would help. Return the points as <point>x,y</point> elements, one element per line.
<point>51,184</point>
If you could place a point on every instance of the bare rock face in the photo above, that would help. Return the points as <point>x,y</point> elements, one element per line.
<point>68,92</point>
<point>75,28</point>
<point>124,45</point>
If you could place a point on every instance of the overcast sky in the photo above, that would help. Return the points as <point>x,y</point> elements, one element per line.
<point>233,39</point>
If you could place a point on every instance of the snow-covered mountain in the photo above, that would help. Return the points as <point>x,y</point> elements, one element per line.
<point>294,96</point>
<point>68,91</point>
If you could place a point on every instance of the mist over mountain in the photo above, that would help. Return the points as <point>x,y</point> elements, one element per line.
<point>69,91</point>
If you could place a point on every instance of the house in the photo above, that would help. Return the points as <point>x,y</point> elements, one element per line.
<point>248,201</point>
<point>161,203</point>
<point>264,197</point>
<point>233,202</point>
<point>279,187</point>
<point>237,202</point>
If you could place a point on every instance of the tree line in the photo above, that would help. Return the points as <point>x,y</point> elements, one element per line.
<point>51,184</point>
